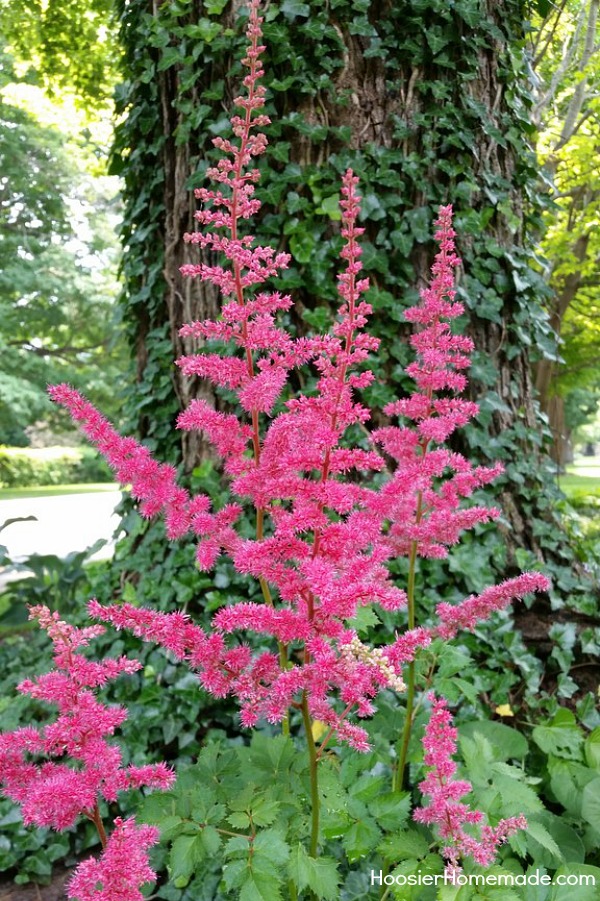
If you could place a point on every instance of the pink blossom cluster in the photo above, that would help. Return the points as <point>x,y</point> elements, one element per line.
<point>123,867</point>
<point>60,771</point>
<point>445,810</point>
<point>324,538</point>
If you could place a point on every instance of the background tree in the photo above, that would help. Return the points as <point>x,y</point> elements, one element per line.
<point>567,62</point>
<point>58,258</point>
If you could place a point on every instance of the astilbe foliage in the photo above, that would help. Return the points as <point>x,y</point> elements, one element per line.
<point>61,771</point>
<point>324,538</point>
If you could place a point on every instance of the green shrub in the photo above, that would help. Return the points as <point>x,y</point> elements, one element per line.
<point>24,468</point>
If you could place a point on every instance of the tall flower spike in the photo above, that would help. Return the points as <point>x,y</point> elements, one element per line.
<point>452,818</point>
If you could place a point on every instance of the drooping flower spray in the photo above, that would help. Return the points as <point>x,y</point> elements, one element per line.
<point>62,771</point>
<point>289,459</point>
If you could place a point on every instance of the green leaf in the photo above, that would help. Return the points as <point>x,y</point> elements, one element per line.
<point>264,811</point>
<point>320,875</point>
<point>260,887</point>
<point>187,851</point>
<point>590,803</point>
<point>330,206</point>
<point>293,8</point>
<point>365,618</point>
<point>361,837</point>
<point>404,845</point>
<point>587,892</point>
<point>540,834</point>
<point>211,840</point>
<point>559,740</point>
<point>592,749</point>
<point>302,247</point>
<point>270,845</point>
<point>391,810</point>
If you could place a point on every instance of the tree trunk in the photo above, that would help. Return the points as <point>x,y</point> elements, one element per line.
<point>422,104</point>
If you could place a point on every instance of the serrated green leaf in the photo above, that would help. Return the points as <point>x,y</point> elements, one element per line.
<point>361,837</point>
<point>587,892</point>
<point>264,811</point>
<point>560,740</point>
<point>272,846</point>
<point>260,887</point>
<point>540,834</point>
<point>236,847</point>
<point>365,618</point>
<point>320,874</point>
<point>211,840</point>
<point>187,851</point>
<point>367,787</point>
<point>404,845</point>
<point>391,810</point>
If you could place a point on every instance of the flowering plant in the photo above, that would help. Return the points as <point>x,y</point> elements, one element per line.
<point>322,545</point>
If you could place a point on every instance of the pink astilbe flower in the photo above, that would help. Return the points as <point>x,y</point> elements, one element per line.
<point>324,539</point>
<point>121,869</point>
<point>452,818</point>
<point>60,771</point>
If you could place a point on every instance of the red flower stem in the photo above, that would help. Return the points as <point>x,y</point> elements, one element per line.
<point>314,783</point>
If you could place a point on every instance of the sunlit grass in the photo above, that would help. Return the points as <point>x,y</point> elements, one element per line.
<point>9,494</point>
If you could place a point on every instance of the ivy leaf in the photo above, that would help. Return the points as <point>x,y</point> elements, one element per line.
<point>320,874</point>
<point>293,8</point>
<point>330,206</point>
<point>302,246</point>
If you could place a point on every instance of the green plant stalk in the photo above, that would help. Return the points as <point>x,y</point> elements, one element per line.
<point>314,781</point>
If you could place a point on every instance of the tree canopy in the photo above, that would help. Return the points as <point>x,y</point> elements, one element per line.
<point>58,254</point>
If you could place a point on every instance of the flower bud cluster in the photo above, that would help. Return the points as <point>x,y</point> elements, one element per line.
<point>374,657</point>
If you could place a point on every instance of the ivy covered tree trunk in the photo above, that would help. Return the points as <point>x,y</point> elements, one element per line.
<point>428,103</point>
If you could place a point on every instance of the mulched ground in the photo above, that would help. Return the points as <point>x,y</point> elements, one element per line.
<point>53,892</point>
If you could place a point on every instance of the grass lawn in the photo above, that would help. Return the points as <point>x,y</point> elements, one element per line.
<point>10,494</point>
<point>582,477</point>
